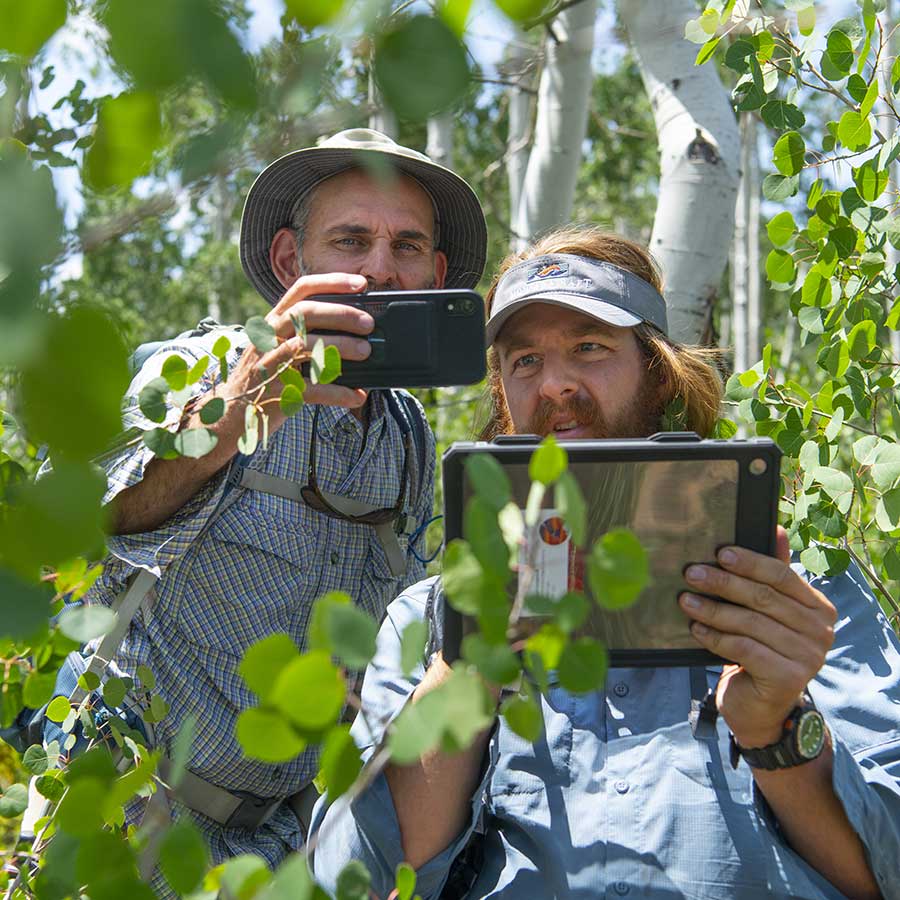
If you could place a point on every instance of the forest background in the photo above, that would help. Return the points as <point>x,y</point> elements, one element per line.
<point>752,146</point>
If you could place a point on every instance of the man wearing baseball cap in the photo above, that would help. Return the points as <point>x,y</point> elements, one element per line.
<point>241,545</point>
<point>619,797</point>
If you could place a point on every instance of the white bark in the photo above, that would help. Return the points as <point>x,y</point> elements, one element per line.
<point>699,149</point>
<point>548,191</point>
<point>518,68</point>
<point>889,126</point>
<point>739,263</point>
<point>754,309</point>
<point>380,118</point>
<point>439,142</point>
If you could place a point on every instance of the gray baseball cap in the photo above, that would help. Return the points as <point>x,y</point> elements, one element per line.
<point>274,195</point>
<point>599,289</point>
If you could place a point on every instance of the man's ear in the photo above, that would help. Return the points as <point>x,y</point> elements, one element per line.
<point>284,257</point>
<point>440,268</point>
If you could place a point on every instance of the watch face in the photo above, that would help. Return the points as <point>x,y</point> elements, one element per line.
<point>810,734</point>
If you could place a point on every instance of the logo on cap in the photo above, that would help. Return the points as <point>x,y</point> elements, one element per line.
<point>549,270</point>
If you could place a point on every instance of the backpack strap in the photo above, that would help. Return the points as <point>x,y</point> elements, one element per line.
<point>409,416</point>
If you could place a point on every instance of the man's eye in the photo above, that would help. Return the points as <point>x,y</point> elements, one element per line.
<point>349,242</point>
<point>591,347</point>
<point>407,247</point>
<point>523,362</point>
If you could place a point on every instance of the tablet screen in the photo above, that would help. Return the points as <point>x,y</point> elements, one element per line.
<point>682,511</point>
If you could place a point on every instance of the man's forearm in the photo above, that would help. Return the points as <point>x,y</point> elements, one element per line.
<point>815,824</point>
<point>170,483</point>
<point>433,797</point>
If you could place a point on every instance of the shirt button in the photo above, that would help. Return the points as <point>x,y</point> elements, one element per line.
<point>621,888</point>
<point>622,787</point>
<point>334,557</point>
<point>621,689</point>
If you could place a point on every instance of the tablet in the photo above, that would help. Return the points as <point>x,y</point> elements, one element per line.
<point>683,497</point>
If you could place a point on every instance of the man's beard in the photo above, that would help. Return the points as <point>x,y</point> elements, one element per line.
<point>640,418</point>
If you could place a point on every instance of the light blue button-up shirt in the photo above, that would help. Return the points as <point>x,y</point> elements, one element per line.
<point>618,799</point>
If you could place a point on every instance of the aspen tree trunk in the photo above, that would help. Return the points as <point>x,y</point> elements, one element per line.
<point>222,204</point>
<point>699,150</point>
<point>739,262</point>
<point>520,110</point>
<point>439,145</point>
<point>889,127</point>
<point>548,189</point>
<point>754,309</point>
<point>380,118</point>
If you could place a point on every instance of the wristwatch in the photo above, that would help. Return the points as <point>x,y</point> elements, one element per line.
<point>802,740</point>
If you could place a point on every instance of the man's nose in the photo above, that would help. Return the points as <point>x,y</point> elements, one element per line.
<point>379,267</point>
<point>558,383</point>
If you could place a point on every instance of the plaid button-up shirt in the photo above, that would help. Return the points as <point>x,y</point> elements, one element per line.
<point>253,569</point>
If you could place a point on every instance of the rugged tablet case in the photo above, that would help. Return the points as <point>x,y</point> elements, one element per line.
<point>756,510</point>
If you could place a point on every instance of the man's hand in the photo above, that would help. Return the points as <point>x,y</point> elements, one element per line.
<point>316,315</point>
<point>776,628</point>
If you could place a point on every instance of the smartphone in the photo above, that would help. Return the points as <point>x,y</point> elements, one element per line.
<point>683,497</point>
<point>432,338</point>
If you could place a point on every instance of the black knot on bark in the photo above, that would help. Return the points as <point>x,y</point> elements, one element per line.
<point>701,150</point>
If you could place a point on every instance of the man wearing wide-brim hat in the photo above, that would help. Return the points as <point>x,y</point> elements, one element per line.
<point>244,542</point>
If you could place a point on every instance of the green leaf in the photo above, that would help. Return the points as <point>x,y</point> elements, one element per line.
<point>83,623</point>
<point>843,239</point>
<point>412,646</point>
<point>780,267</point>
<point>198,370</point>
<point>496,662</point>
<point>152,399</point>
<point>76,416</point>
<point>870,181</point>
<point>319,637</point>
<point>212,411</point>
<point>353,882</point>
<point>114,691</point>
<point>521,10</point>
<point>886,470</point>
<point>548,462</point>
<point>854,130</point>
<point>789,153</point>
<point>195,442</point>
<point>313,13</point>
<point>261,334</point>
<point>823,560</point>
<point>175,372</point>
<point>266,735</point>
<point>129,130</point>
<point>14,801</point>
<point>782,116</point>
<point>836,484</point>
<point>352,635</point>
<point>781,229</point>
<point>221,347</point>
<point>34,759</point>
<point>816,289</point>
<point>469,589</point>
<point>183,856</point>
<point>523,716</point>
<point>340,761</point>
<point>806,20</point>
<point>406,881</point>
<point>249,440</point>
<point>736,55</point>
<point>291,399</point>
<point>706,51</point>
<point>488,479</point>
<point>58,709</point>
<point>325,364</point>
<point>891,563</point>
<point>38,688</point>
<point>582,666</point>
<point>862,339</point>
<point>412,85</point>
<point>264,661</point>
<point>51,786</point>
<point>310,691</point>
<point>887,511</point>
<point>26,27</point>
<point>618,569</point>
<point>840,51</point>
<point>483,533</point>
<point>778,188</point>
<point>572,507</point>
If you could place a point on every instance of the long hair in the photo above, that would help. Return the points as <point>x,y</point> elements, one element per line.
<point>693,388</point>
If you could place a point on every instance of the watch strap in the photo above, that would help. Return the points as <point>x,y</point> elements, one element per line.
<point>783,753</point>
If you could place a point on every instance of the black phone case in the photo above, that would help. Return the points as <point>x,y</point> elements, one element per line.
<point>429,338</point>
<point>756,513</point>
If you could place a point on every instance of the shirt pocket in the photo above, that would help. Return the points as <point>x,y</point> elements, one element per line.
<point>247,578</point>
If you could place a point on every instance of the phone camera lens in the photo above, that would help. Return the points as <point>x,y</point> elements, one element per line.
<point>758,466</point>
<point>451,306</point>
<point>467,307</point>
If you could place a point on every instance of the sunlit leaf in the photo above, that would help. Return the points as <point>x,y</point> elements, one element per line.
<point>582,666</point>
<point>312,13</point>
<point>618,569</point>
<point>25,27</point>
<point>854,130</point>
<point>264,660</point>
<point>789,153</point>
<point>523,716</point>
<point>267,736</point>
<point>183,856</point>
<point>129,130</point>
<point>310,691</point>
<point>547,462</point>
<point>489,479</point>
<point>340,761</point>
<point>84,622</point>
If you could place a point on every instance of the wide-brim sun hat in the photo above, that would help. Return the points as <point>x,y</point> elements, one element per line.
<point>599,289</point>
<point>273,198</point>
